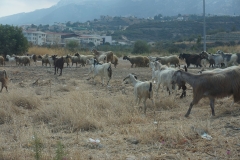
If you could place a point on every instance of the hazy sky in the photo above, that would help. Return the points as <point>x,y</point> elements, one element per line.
<point>9,7</point>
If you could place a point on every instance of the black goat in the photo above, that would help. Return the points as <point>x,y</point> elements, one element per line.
<point>194,59</point>
<point>58,64</point>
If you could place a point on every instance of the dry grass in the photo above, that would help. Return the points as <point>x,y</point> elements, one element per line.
<point>71,110</point>
<point>51,51</point>
<point>226,49</point>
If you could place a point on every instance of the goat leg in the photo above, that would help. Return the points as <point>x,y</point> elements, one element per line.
<point>212,106</point>
<point>145,107</point>
<point>189,109</point>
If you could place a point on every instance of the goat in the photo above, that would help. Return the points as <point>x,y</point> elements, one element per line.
<point>216,59</point>
<point>50,59</point>
<point>154,71</point>
<point>228,58</point>
<point>146,61</point>
<point>34,58</point>
<point>10,59</point>
<point>141,90</point>
<point>67,59</point>
<point>103,70</point>
<point>58,64</point>
<point>102,58</point>
<point>44,59</point>
<point>194,59</point>
<point>212,85</point>
<point>152,59</point>
<point>137,60</point>
<point>109,54</point>
<point>84,58</point>
<point>22,60</point>
<point>3,79</point>
<point>169,60</point>
<point>75,59</point>
<point>115,61</point>
<point>164,76</point>
<point>2,61</point>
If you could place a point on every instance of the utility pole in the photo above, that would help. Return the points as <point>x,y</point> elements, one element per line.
<point>204,27</point>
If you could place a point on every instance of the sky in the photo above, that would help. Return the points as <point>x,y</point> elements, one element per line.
<point>10,7</point>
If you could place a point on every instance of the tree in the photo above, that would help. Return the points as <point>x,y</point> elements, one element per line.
<point>199,40</point>
<point>90,44</point>
<point>140,47</point>
<point>72,45</point>
<point>12,40</point>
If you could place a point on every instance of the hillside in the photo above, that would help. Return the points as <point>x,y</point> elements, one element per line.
<point>84,10</point>
<point>178,30</point>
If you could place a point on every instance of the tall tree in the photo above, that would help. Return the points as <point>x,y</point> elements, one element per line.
<point>12,40</point>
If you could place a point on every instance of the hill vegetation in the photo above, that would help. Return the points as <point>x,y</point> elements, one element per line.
<point>173,30</point>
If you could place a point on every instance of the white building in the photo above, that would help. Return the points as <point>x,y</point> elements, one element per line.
<point>106,39</point>
<point>96,39</point>
<point>35,37</point>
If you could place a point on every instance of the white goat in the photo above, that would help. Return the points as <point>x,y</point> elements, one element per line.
<point>141,90</point>
<point>102,58</point>
<point>103,70</point>
<point>10,59</point>
<point>164,76</point>
<point>154,71</point>
<point>51,61</point>
<point>152,59</point>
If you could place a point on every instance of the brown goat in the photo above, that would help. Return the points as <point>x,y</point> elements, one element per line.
<point>212,85</point>
<point>2,61</point>
<point>3,79</point>
<point>139,61</point>
<point>109,54</point>
<point>115,61</point>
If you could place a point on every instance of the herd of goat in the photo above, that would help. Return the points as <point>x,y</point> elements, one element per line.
<point>222,81</point>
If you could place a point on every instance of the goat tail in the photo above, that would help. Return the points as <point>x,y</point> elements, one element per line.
<point>150,90</point>
<point>109,71</point>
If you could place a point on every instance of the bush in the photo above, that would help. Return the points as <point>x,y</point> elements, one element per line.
<point>232,43</point>
<point>173,50</point>
<point>219,43</point>
<point>140,47</point>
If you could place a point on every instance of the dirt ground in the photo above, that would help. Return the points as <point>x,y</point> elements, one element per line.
<point>70,109</point>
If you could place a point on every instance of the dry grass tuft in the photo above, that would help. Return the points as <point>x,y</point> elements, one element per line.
<point>63,88</point>
<point>5,116</point>
<point>166,103</point>
<point>26,100</point>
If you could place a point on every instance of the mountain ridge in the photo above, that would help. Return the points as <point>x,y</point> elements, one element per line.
<point>84,10</point>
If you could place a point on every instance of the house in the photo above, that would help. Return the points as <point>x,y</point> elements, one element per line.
<point>35,37</point>
<point>96,39</point>
<point>58,38</point>
<point>106,39</point>
<point>53,38</point>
